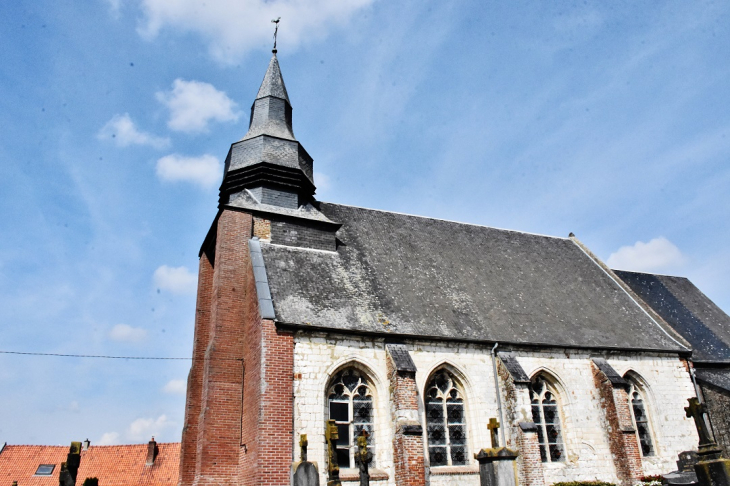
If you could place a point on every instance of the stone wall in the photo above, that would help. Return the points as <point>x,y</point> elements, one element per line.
<point>718,404</point>
<point>317,356</point>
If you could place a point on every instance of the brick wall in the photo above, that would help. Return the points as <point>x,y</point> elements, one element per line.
<point>218,438</point>
<point>619,428</point>
<point>293,234</point>
<point>262,228</point>
<point>240,384</point>
<point>718,404</point>
<point>408,450</point>
<point>529,467</point>
<point>188,446</point>
<point>515,404</point>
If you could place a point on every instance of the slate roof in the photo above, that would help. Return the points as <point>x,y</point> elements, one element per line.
<point>245,200</point>
<point>702,323</point>
<point>121,465</point>
<point>420,277</point>
<point>273,83</point>
<point>717,377</point>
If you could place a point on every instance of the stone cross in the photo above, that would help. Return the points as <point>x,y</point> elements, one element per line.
<point>333,468</point>
<point>303,443</point>
<point>363,458</point>
<point>494,431</point>
<point>305,472</point>
<point>698,411</point>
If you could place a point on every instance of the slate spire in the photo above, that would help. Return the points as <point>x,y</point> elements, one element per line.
<point>273,83</point>
<point>271,112</point>
<point>268,161</point>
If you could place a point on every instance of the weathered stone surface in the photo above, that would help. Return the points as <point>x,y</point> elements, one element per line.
<point>318,356</point>
<point>713,473</point>
<point>306,474</point>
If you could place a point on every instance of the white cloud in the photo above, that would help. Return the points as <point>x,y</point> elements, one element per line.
<point>233,27</point>
<point>193,104</point>
<point>178,280</point>
<point>123,132</point>
<point>143,429</point>
<point>175,387</point>
<point>127,333</point>
<point>204,171</point>
<point>655,255</point>
<point>109,438</point>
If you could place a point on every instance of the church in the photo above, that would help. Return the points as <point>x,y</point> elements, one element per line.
<point>421,332</point>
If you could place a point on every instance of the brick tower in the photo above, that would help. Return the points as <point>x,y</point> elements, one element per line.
<point>238,416</point>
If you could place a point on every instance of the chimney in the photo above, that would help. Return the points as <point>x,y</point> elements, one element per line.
<point>85,445</point>
<point>70,468</point>
<point>152,451</point>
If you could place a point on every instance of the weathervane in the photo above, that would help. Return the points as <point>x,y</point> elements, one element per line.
<point>276,31</point>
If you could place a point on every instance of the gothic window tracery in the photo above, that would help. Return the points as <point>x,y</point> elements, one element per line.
<point>445,421</point>
<point>546,415</point>
<point>350,404</point>
<point>641,419</point>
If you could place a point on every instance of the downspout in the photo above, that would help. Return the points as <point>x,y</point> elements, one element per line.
<point>698,390</point>
<point>499,395</point>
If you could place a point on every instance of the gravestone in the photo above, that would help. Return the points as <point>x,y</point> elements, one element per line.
<point>685,473</point>
<point>712,469</point>
<point>687,461</point>
<point>497,465</point>
<point>363,458</point>
<point>305,472</point>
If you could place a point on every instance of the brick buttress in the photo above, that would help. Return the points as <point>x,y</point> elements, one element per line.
<point>623,442</point>
<point>238,417</point>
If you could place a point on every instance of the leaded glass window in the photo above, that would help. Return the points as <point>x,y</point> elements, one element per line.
<point>350,402</point>
<point>546,415</point>
<point>445,422</point>
<point>641,421</point>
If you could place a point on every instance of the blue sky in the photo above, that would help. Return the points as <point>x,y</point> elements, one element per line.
<point>607,119</point>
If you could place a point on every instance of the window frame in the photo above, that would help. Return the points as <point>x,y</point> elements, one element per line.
<point>544,444</point>
<point>44,474</point>
<point>636,388</point>
<point>455,388</point>
<point>349,397</point>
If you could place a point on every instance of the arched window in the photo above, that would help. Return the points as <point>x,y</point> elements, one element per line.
<point>445,421</point>
<point>350,402</point>
<point>546,415</point>
<point>640,417</point>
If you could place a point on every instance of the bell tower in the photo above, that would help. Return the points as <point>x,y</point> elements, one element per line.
<point>268,161</point>
<point>239,404</point>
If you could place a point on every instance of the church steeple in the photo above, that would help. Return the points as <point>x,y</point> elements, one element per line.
<point>271,111</point>
<point>268,161</point>
<point>273,84</point>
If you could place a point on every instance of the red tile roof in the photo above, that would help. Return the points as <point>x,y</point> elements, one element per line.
<point>19,463</point>
<point>122,465</point>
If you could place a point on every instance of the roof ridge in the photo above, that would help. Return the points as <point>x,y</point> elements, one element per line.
<point>650,273</point>
<point>451,221</point>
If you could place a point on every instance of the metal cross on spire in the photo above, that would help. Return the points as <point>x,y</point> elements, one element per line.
<point>276,31</point>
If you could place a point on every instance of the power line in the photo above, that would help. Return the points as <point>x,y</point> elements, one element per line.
<point>90,356</point>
